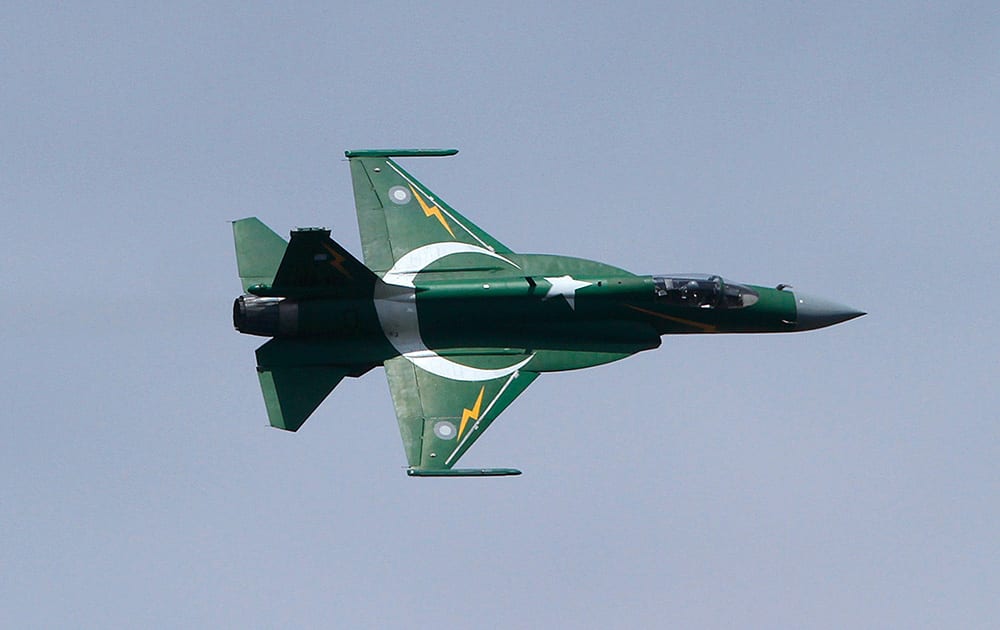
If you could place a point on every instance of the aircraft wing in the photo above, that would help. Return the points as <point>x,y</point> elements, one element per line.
<point>440,418</point>
<point>397,214</point>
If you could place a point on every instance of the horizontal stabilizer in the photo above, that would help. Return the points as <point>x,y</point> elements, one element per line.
<point>291,394</point>
<point>258,251</point>
<point>463,472</point>
<point>294,383</point>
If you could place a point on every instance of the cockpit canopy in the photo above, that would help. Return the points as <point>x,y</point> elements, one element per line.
<point>702,291</point>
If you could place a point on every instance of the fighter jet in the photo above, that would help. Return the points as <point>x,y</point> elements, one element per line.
<point>461,323</point>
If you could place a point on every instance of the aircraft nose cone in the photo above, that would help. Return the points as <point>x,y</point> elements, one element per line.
<point>815,312</point>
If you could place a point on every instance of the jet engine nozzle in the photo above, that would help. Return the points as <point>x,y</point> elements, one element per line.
<point>265,316</point>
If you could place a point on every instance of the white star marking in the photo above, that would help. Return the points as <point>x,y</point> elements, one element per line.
<point>566,287</point>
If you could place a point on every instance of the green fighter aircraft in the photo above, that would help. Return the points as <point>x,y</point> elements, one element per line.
<point>461,323</point>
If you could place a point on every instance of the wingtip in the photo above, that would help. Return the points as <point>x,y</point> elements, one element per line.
<point>358,153</point>
<point>463,472</point>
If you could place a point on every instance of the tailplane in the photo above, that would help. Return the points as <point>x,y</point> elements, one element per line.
<point>278,277</point>
<point>294,382</point>
<point>311,264</point>
<point>258,251</point>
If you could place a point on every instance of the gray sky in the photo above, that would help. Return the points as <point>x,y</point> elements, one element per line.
<point>839,478</point>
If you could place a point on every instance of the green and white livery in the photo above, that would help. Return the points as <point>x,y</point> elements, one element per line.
<point>461,323</point>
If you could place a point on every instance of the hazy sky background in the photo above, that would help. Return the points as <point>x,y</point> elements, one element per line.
<point>840,478</point>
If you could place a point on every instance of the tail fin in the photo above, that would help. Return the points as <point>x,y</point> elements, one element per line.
<point>294,379</point>
<point>258,251</point>
<point>310,264</point>
<point>314,264</point>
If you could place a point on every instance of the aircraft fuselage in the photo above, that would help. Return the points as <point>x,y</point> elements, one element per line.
<point>607,313</point>
<point>461,323</point>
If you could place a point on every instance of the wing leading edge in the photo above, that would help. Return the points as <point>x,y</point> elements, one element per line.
<point>397,214</point>
<point>439,418</point>
<point>405,229</point>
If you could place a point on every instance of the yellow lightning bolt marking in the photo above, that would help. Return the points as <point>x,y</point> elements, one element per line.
<point>688,322</point>
<point>432,211</point>
<point>338,261</point>
<point>471,413</point>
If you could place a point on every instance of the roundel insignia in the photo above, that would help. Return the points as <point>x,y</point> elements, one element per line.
<point>444,430</point>
<point>400,195</point>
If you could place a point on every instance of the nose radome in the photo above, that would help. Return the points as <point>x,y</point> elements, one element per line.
<point>815,312</point>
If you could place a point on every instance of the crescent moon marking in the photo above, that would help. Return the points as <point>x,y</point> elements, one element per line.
<point>396,306</point>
